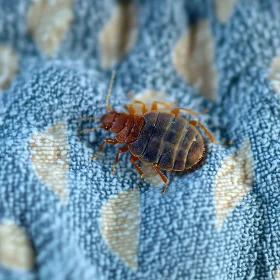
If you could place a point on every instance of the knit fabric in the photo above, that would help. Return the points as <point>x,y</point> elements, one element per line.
<point>66,216</point>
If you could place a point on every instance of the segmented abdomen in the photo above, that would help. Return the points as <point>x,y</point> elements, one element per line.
<point>169,141</point>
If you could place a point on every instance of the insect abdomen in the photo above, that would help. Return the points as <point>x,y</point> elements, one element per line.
<point>168,141</point>
<point>191,150</point>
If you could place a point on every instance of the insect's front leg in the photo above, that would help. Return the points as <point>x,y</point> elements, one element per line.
<point>108,140</point>
<point>121,150</point>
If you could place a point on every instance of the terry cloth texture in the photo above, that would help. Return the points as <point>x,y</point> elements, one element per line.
<point>64,215</point>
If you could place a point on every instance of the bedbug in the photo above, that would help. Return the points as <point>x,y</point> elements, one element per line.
<point>167,141</point>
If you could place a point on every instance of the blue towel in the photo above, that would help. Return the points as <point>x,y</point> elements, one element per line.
<point>64,215</point>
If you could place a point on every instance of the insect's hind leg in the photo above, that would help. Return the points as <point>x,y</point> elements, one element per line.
<point>108,140</point>
<point>121,150</point>
<point>137,167</point>
<point>162,176</point>
<point>194,123</point>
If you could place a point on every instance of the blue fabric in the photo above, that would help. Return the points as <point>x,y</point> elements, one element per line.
<point>177,235</point>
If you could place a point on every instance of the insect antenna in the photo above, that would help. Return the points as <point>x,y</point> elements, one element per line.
<point>92,129</point>
<point>109,92</point>
<point>88,119</point>
<point>130,95</point>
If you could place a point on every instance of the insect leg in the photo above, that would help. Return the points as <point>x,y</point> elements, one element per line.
<point>131,109</point>
<point>144,107</point>
<point>177,110</point>
<point>194,123</point>
<point>108,140</point>
<point>121,150</point>
<point>138,168</point>
<point>155,103</point>
<point>162,176</point>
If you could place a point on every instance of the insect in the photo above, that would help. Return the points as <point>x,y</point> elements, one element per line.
<point>167,141</point>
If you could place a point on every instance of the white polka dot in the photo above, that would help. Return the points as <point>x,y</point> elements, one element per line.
<point>120,225</point>
<point>48,21</point>
<point>274,73</point>
<point>150,175</point>
<point>119,35</point>
<point>149,96</point>
<point>193,58</point>
<point>16,251</point>
<point>8,65</point>
<point>50,159</point>
<point>233,181</point>
<point>224,9</point>
<point>277,274</point>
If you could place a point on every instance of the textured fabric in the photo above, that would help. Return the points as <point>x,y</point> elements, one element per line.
<point>64,215</point>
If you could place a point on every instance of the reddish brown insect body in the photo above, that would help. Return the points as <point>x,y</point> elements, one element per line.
<point>165,140</point>
<point>127,127</point>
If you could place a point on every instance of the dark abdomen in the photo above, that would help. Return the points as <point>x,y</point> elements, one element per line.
<point>169,141</point>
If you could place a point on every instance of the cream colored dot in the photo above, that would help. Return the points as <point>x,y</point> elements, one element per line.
<point>15,248</point>
<point>120,221</point>
<point>8,65</point>
<point>50,159</point>
<point>277,274</point>
<point>224,9</point>
<point>150,175</point>
<point>274,73</point>
<point>193,58</point>
<point>119,35</point>
<point>233,181</point>
<point>148,97</point>
<point>48,22</point>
